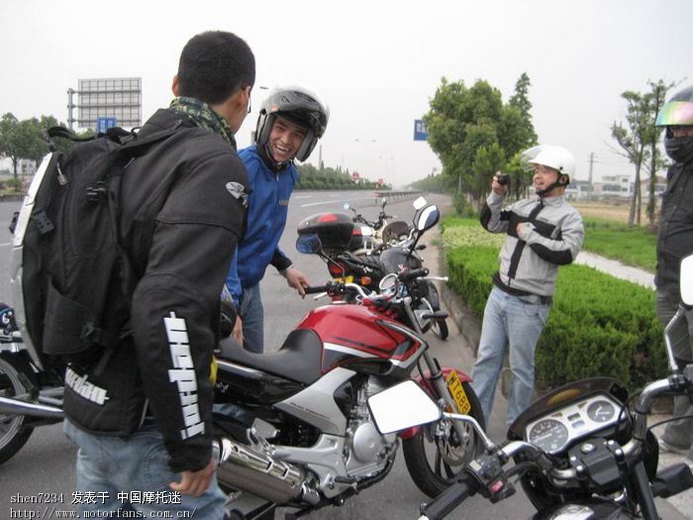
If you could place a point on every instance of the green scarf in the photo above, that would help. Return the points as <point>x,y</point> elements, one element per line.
<point>203,116</point>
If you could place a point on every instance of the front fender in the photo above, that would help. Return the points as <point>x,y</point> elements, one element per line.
<point>426,383</point>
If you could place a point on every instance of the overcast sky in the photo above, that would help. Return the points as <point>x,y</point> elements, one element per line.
<point>376,63</point>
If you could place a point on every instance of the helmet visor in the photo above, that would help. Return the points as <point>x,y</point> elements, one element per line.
<point>527,158</point>
<point>675,113</point>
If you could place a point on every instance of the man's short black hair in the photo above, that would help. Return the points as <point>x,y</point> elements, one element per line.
<point>213,65</point>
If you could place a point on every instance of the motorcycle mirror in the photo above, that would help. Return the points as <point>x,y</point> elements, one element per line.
<point>427,218</point>
<point>384,201</point>
<point>686,280</point>
<point>308,244</point>
<point>419,203</point>
<point>346,205</point>
<point>402,406</point>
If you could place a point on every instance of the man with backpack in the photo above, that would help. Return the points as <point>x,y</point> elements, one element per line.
<point>141,410</point>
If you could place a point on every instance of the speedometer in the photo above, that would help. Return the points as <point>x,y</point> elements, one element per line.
<point>549,434</point>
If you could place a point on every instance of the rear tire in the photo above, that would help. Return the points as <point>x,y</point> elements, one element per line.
<point>434,462</point>
<point>16,378</point>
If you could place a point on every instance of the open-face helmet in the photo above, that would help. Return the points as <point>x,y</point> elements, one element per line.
<point>554,157</point>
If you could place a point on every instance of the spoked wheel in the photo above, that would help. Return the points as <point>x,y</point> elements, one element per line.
<point>436,455</point>
<point>15,375</point>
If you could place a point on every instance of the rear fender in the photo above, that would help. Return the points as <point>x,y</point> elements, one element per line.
<point>426,383</point>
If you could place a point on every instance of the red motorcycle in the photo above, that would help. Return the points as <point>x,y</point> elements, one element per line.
<point>313,441</point>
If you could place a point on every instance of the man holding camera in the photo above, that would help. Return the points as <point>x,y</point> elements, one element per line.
<point>542,234</point>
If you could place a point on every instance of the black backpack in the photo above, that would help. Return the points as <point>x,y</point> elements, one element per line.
<point>74,280</point>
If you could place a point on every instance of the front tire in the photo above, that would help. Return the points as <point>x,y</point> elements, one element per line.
<point>433,461</point>
<point>16,378</point>
<point>439,327</point>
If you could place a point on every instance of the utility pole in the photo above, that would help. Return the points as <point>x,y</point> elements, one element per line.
<point>70,108</point>
<point>590,177</point>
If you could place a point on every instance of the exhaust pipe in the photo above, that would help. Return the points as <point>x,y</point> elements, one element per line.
<point>260,474</point>
<point>15,407</point>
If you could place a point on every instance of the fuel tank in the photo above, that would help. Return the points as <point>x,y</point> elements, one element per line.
<point>362,339</point>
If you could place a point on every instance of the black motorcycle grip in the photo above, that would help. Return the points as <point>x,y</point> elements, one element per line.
<point>411,274</point>
<point>448,500</point>
<point>315,290</point>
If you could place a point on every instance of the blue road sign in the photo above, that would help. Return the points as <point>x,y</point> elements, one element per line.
<point>420,132</point>
<point>104,123</point>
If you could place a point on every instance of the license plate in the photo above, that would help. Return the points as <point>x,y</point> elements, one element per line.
<point>458,393</point>
<point>346,279</point>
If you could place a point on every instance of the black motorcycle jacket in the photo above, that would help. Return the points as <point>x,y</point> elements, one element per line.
<point>675,239</point>
<point>183,211</point>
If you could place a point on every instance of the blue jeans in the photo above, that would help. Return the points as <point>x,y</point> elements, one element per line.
<point>511,323</point>
<point>678,433</point>
<point>129,473</point>
<point>253,317</point>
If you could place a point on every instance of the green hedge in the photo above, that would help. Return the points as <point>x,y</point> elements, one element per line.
<point>599,325</point>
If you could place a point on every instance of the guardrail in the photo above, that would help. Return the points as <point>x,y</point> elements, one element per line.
<point>394,196</point>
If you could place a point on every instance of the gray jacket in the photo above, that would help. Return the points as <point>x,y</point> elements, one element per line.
<point>529,261</point>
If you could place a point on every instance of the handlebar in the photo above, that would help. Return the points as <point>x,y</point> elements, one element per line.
<point>315,289</point>
<point>449,499</point>
<point>410,274</point>
<point>340,287</point>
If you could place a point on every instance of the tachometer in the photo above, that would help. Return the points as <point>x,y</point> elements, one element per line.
<point>549,434</point>
<point>601,411</point>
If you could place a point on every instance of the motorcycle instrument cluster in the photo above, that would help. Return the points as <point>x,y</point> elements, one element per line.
<point>556,430</point>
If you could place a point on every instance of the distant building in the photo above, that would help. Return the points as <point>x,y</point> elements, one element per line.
<point>622,187</point>
<point>614,186</point>
<point>579,190</point>
<point>660,185</point>
<point>26,167</point>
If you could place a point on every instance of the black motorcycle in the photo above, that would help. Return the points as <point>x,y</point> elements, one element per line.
<point>583,451</point>
<point>401,251</point>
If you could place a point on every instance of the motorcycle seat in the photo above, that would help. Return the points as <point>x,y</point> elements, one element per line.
<point>298,359</point>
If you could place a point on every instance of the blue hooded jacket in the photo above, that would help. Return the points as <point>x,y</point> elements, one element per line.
<point>268,206</point>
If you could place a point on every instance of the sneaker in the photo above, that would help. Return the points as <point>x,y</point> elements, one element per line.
<point>665,447</point>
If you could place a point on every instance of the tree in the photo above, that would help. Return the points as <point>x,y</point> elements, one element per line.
<point>638,140</point>
<point>657,162</point>
<point>518,117</point>
<point>24,139</point>
<point>11,140</point>
<point>474,134</point>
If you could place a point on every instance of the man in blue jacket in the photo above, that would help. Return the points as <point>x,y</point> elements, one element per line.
<point>291,121</point>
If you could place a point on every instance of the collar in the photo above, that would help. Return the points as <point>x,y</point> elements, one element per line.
<point>203,116</point>
<point>552,201</point>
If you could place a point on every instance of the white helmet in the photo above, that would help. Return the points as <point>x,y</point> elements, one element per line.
<point>555,157</point>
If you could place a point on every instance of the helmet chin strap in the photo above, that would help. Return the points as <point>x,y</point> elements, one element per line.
<point>558,184</point>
